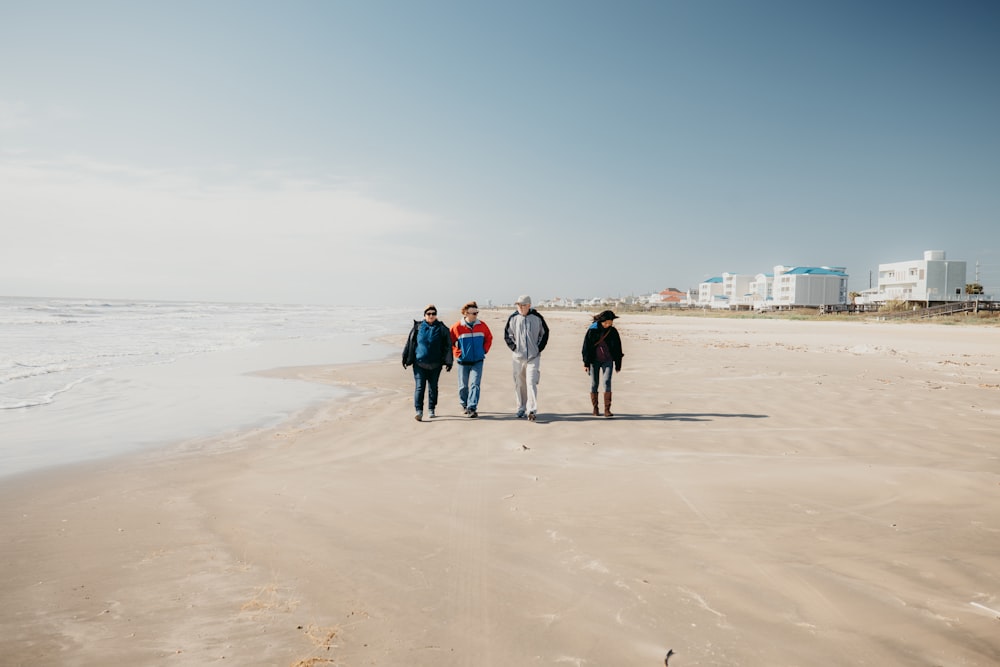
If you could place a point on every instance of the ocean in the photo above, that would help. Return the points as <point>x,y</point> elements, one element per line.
<point>82,379</point>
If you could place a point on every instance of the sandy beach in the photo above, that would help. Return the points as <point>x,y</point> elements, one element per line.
<point>769,493</point>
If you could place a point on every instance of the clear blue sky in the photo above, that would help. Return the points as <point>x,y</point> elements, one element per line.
<point>404,152</point>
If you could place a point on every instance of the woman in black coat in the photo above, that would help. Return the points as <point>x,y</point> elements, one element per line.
<point>602,355</point>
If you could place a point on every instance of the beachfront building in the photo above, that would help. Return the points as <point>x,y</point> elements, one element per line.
<point>760,291</point>
<point>809,286</point>
<point>787,287</point>
<point>710,293</point>
<point>736,288</point>
<point>935,278</point>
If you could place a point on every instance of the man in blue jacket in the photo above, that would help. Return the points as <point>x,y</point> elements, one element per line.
<point>427,349</point>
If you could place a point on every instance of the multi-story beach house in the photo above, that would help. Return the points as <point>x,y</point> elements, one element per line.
<point>811,286</point>
<point>710,293</point>
<point>934,278</point>
<point>761,294</point>
<point>736,287</point>
<point>787,287</point>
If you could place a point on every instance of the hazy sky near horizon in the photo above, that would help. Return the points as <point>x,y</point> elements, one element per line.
<point>366,152</point>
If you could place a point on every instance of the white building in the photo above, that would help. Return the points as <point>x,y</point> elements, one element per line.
<point>736,288</point>
<point>761,291</point>
<point>710,292</point>
<point>810,286</point>
<point>934,278</point>
<point>788,286</point>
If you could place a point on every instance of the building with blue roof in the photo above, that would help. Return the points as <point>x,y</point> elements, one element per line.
<point>710,291</point>
<point>786,287</point>
<point>809,286</point>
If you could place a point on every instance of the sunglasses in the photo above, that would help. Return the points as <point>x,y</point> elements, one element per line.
<point>431,312</point>
<point>472,312</point>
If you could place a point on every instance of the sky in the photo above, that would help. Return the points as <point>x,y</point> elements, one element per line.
<point>368,152</point>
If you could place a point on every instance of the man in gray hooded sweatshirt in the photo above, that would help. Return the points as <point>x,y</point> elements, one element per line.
<point>526,335</point>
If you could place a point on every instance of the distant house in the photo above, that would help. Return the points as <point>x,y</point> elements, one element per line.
<point>934,278</point>
<point>810,286</point>
<point>669,297</point>
<point>559,302</point>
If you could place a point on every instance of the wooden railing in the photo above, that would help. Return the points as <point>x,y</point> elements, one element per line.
<point>951,308</point>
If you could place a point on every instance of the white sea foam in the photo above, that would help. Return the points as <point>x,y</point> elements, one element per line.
<point>85,378</point>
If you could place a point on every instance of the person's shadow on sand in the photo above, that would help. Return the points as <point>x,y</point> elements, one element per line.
<point>677,416</point>
<point>663,416</point>
<point>619,416</point>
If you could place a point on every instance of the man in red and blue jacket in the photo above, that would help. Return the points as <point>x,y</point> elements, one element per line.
<point>471,340</point>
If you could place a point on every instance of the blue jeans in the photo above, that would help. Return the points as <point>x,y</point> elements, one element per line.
<point>596,370</point>
<point>469,377</point>
<point>425,378</point>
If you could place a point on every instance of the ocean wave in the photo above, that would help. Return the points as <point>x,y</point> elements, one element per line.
<point>17,403</point>
<point>48,346</point>
<point>26,403</point>
<point>25,372</point>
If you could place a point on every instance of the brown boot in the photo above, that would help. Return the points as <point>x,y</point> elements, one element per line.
<point>593,401</point>
<point>607,404</point>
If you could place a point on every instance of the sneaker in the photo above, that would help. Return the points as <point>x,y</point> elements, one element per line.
<point>432,415</point>
<point>419,416</point>
<point>531,416</point>
<point>472,413</point>
<point>520,414</point>
<point>465,410</point>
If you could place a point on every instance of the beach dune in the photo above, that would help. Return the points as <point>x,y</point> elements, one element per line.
<point>769,493</point>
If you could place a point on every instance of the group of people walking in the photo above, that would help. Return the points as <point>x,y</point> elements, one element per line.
<point>432,346</point>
